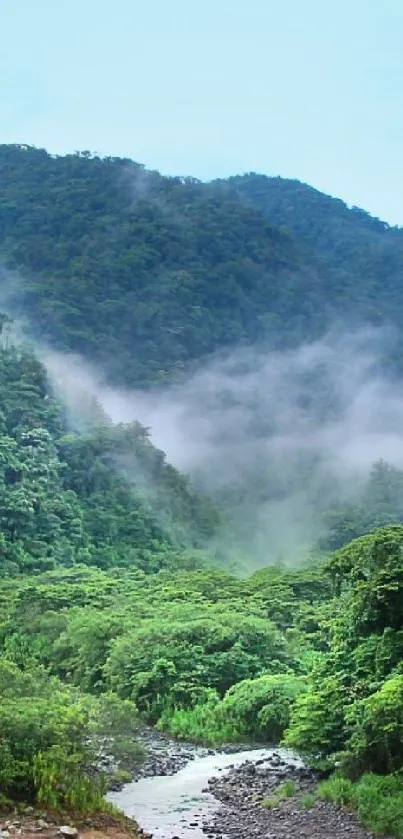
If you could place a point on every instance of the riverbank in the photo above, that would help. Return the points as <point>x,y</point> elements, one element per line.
<point>276,801</point>
<point>165,756</point>
<point>190,792</point>
<point>236,794</point>
<point>46,825</point>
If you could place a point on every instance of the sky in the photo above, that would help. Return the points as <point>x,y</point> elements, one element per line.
<point>307,89</point>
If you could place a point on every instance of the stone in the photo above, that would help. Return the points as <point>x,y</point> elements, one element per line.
<point>69,832</point>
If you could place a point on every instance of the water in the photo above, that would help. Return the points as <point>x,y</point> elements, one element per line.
<point>167,806</point>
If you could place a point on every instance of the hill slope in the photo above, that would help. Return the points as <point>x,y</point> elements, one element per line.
<point>366,253</point>
<point>103,496</point>
<point>145,274</point>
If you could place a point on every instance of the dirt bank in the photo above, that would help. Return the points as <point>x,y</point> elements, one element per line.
<point>45,825</point>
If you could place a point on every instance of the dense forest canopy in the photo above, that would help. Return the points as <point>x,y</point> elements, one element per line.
<point>145,274</point>
<point>118,603</point>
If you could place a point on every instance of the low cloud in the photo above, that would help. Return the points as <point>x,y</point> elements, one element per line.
<point>275,437</point>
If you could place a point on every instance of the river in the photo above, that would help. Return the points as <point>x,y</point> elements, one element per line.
<point>179,805</point>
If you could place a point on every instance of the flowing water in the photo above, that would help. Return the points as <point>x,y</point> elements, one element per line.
<point>177,805</point>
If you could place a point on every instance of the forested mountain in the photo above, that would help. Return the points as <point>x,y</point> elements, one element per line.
<point>145,274</point>
<point>104,496</point>
<point>364,254</point>
<point>112,607</point>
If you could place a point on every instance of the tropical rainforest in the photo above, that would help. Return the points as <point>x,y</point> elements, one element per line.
<point>117,608</point>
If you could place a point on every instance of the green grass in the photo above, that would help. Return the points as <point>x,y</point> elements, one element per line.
<point>307,801</point>
<point>198,724</point>
<point>378,800</point>
<point>271,802</point>
<point>337,789</point>
<point>286,790</point>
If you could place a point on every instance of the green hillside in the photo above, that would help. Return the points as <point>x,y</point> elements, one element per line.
<point>366,252</point>
<point>103,496</point>
<point>145,274</point>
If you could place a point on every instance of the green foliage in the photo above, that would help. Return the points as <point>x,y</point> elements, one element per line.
<point>104,496</point>
<point>376,723</point>
<point>110,602</point>
<point>381,503</point>
<point>145,274</point>
<point>271,802</point>
<point>337,789</point>
<point>286,790</point>
<point>378,800</point>
<point>307,801</point>
<point>257,709</point>
<point>166,663</point>
<point>362,256</point>
<point>50,737</point>
<point>317,719</point>
<point>199,721</point>
<point>354,702</point>
<point>61,782</point>
<point>260,708</point>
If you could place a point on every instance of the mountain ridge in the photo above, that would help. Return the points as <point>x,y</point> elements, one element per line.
<point>146,274</point>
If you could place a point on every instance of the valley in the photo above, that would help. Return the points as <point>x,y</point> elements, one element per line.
<point>201,506</point>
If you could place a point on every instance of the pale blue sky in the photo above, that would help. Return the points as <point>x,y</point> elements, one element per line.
<point>311,89</point>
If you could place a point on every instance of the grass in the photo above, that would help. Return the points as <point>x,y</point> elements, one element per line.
<point>271,802</point>
<point>307,801</point>
<point>378,800</point>
<point>286,790</point>
<point>120,776</point>
<point>338,790</point>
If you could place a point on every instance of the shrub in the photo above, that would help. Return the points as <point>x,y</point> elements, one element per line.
<point>377,799</point>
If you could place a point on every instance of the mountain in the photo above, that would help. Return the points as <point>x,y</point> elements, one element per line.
<point>101,496</point>
<point>149,276</point>
<point>146,275</point>
<point>366,253</point>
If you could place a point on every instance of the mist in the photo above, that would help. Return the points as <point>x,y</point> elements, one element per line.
<point>274,437</point>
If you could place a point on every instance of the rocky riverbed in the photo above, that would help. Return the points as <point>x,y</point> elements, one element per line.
<point>273,800</point>
<point>187,792</point>
<point>260,794</point>
<point>166,757</point>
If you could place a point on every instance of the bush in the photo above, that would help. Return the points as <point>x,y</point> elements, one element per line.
<point>260,708</point>
<point>377,799</point>
<point>376,741</point>
<point>51,739</point>
<point>254,709</point>
<point>62,782</point>
<point>166,663</point>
